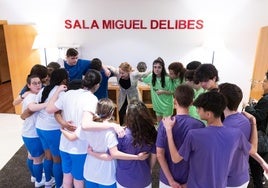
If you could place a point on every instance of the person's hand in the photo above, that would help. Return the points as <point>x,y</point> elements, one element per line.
<point>120,131</point>
<point>265,167</point>
<point>69,126</point>
<point>175,184</point>
<point>160,92</point>
<point>168,122</point>
<point>62,88</point>
<point>107,72</point>
<point>143,155</point>
<point>251,118</point>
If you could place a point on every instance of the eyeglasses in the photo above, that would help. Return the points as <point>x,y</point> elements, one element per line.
<point>36,83</point>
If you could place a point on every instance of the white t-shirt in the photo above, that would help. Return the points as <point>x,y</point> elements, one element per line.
<point>46,121</point>
<point>73,103</point>
<point>96,170</point>
<point>28,129</point>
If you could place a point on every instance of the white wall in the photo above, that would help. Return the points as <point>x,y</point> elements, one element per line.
<point>236,23</point>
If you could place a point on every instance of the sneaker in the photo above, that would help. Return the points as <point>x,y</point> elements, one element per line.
<point>50,183</point>
<point>39,184</point>
<point>32,179</point>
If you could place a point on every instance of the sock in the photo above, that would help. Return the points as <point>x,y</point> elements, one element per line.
<point>48,168</point>
<point>30,166</point>
<point>58,175</point>
<point>38,170</point>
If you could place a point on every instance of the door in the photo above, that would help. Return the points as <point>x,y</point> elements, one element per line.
<point>21,57</point>
<point>261,64</point>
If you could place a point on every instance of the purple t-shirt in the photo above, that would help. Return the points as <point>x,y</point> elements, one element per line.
<point>133,173</point>
<point>239,170</point>
<point>210,152</point>
<point>183,124</point>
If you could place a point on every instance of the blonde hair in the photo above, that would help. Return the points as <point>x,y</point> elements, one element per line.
<point>105,109</point>
<point>126,67</point>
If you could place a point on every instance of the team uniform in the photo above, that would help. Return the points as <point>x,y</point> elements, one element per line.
<point>73,103</point>
<point>184,123</point>
<point>210,152</point>
<point>239,174</point>
<point>49,132</point>
<point>133,173</point>
<point>30,138</point>
<point>162,104</point>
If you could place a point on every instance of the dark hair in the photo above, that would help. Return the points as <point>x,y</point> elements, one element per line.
<point>189,75</point>
<point>52,66</point>
<point>184,95</point>
<point>57,77</point>
<point>29,79</point>
<point>140,122</point>
<point>71,52</point>
<point>96,64</point>
<point>193,65</point>
<point>92,78</point>
<point>212,101</point>
<point>178,69</point>
<point>206,72</point>
<point>232,93</point>
<point>160,61</point>
<point>40,71</point>
<point>142,67</point>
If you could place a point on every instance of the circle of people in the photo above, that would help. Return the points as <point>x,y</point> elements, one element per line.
<point>72,141</point>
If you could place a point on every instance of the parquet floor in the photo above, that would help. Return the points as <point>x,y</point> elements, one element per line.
<point>6,98</point>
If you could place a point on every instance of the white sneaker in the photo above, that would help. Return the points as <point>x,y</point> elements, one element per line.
<point>32,179</point>
<point>39,184</point>
<point>50,183</point>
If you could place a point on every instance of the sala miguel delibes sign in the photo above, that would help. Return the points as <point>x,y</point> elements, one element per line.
<point>181,24</point>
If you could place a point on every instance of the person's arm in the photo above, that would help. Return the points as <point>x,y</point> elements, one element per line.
<point>34,107</point>
<point>168,123</point>
<point>106,70</point>
<point>116,154</point>
<point>51,108</point>
<point>69,135</point>
<point>90,125</point>
<point>160,152</point>
<point>20,98</point>
<point>254,133</point>
<point>64,124</point>
<point>261,161</point>
<point>152,161</point>
<point>101,156</point>
<point>26,113</point>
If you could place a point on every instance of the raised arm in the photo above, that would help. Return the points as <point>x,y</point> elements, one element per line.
<point>90,125</point>
<point>254,133</point>
<point>51,108</point>
<point>168,124</point>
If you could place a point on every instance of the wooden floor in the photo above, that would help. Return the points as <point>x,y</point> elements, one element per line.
<point>6,98</point>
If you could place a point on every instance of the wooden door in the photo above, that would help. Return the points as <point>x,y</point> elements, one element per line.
<point>261,64</point>
<point>21,57</point>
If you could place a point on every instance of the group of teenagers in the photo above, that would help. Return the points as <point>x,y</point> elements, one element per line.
<point>72,141</point>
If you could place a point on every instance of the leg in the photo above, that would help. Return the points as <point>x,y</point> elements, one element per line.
<point>256,173</point>
<point>122,112</point>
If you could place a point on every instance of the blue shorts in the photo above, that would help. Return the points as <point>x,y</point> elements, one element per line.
<point>34,146</point>
<point>74,164</point>
<point>90,184</point>
<point>50,140</point>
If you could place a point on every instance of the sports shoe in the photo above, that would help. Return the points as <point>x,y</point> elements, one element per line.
<point>32,179</point>
<point>39,184</point>
<point>50,183</point>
